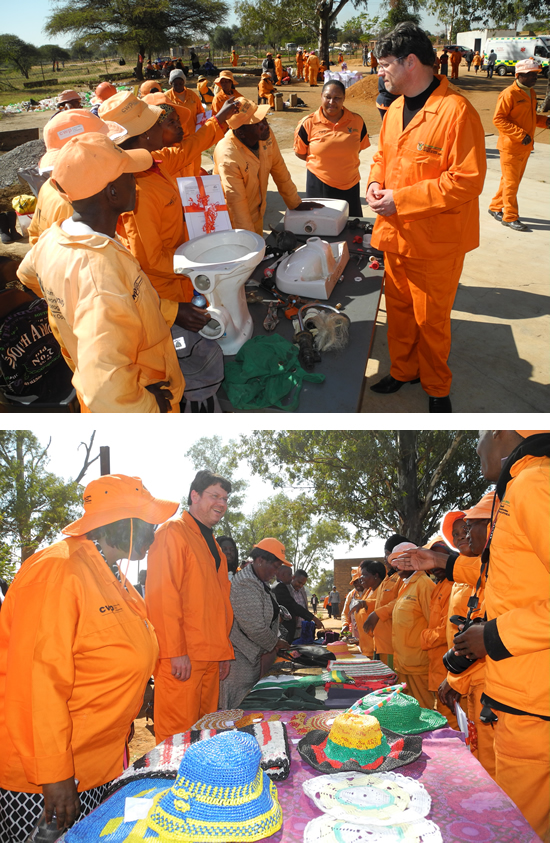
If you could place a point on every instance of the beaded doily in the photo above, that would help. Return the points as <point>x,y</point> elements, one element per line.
<point>374,798</point>
<point>220,719</point>
<point>326,829</point>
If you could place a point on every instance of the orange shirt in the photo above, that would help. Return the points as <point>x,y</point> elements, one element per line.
<point>300,62</point>
<point>411,614</point>
<point>458,605</point>
<point>221,98</point>
<point>185,595</point>
<point>386,595</point>
<point>436,169</point>
<point>515,117</point>
<point>332,149</point>
<point>474,675</point>
<point>50,208</point>
<point>279,68</point>
<point>76,650</point>
<point>456,58</point>
<point>313,64</point>
<point>190,100</point>
<point>434,638</point>
<point>203,88</point>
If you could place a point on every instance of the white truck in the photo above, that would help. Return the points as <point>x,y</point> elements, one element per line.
<point>511,50</point>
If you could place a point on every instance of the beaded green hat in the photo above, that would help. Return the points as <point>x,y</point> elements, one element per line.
<point>403,714</point>
<point>221,793</point>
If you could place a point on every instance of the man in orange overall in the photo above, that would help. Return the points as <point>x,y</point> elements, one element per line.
<point>279,68</point>
<point>456,59</point>
<point>187,597</point>
<point>424,186</point>
<point>516,119</point>
<point>234,58</point>
<point>514,639</point>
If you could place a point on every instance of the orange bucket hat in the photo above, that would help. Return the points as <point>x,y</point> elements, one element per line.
<point>150,86</point>
<point>483,508</point>
<point>88,163</point>
<point>355,574</point>
<point>275,547</point>
<point>526,433</point>
<point>114,497</point>
<point>103,91</point>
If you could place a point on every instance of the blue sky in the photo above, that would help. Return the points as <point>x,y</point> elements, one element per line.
<point>26,19</point>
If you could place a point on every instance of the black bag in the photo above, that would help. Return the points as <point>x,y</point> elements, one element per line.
<point>308,655</point>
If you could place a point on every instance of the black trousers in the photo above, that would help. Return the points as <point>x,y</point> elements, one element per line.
<point>315,188</point>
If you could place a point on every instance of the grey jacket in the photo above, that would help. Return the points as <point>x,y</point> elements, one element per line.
<point>253,631</point>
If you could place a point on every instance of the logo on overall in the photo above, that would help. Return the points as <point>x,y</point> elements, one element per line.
<point>112,609</point>
<point>420,146</point>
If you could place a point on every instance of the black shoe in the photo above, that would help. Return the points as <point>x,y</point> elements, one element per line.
<point>440,405</point>
<point>517,225</point>
<point>496,214</point>
<point>12,219</point>
<point>389,384</point>
<point>5,229</point>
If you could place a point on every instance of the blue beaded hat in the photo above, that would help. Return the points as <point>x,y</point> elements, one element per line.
<point>221,793</point>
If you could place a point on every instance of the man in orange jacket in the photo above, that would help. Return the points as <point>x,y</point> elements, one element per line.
<point>456,59</point>
<point>424,186</point>
<point>300,65</point>
<point>516,119</point>
<point>514,638</point>
<point>313,65</point>
<point>187,597</point>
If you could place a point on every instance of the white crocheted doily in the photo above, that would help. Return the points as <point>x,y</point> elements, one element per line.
<point>327,829</point>
<point>374,798</point>
<point>219,719</point>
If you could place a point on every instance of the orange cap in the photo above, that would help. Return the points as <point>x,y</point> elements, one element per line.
<point>437,539</point>
<point>88,163</point>
<point>526,433</point>
<point>114,497</point>
<point>68,124</point>
<point>447,522</point>
<point>103,91</point>
<point>150,86</point>
<point>135,115</point>
<point>275,547</point>
<point>248,113</point>
<point>183,113</point>
<point>483,508</point>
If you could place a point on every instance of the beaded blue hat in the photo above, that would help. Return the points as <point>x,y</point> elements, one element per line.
<point>221,793</point>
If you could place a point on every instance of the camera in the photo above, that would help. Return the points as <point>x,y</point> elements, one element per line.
<point>458,664</point>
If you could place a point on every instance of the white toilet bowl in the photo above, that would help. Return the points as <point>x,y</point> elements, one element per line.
<point>219,265</point>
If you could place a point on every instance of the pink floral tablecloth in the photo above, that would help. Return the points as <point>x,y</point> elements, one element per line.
<point>467,805</point>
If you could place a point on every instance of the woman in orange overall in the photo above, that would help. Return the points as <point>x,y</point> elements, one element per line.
<point>300,65</point>
<point>373,574</point>
<point>76,652</point>
<point>266,89</point>
<point>279,68</point>
<point>234,58</point>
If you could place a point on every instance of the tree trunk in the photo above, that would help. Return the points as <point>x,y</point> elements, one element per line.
<point>139,65</point>
<point>410,522</point>
<point>324,44</point>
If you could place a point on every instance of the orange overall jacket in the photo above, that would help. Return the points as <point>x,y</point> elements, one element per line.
<point>366,639</point>
<point>411,614</point>
<point>185,595</point>
<point>76,651</point>
<point>386,595</point>
<point>244,176</point>
<point>108,320</point>
<point>191,101</point>
<point>515,117</point>
<point>436,169</point>
<point>434,638</point>
<point>517,634</point>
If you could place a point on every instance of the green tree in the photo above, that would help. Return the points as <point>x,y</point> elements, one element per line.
<point>223,37</point>
<point>359,28</point>
<point>308,539</point>
<point>53,53</point>
<point>380,481</point>
<point>321,586</point>
<point>18,53</point>
<point>35,503</point>
<point>146,24</point>
<point>210,452</point>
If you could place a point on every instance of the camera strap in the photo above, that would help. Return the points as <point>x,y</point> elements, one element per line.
<point>473,601</point>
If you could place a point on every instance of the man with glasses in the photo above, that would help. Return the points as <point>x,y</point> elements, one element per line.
<point>187,597</point>
<point>424,186</point>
